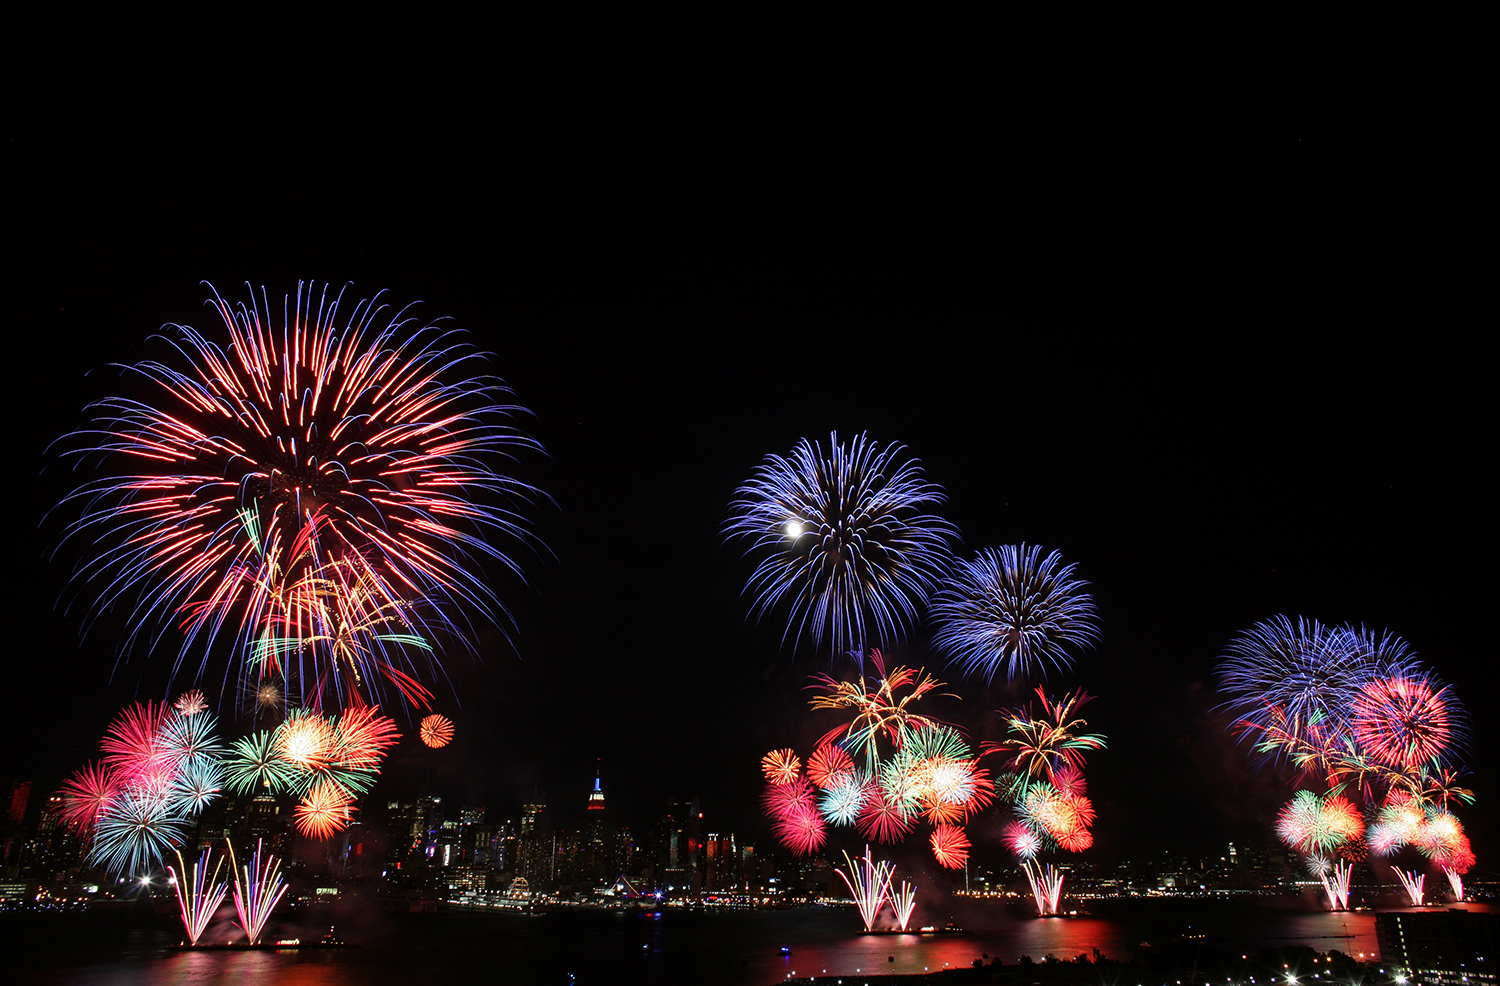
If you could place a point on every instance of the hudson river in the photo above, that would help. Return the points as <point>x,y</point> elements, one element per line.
<point>595,948</point>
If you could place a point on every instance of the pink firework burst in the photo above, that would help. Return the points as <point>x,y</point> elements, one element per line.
<point>802,830</point>
<point>785,800</point>
<point>1021,840</point>
<point>84,796</point>
<point>133,747</point>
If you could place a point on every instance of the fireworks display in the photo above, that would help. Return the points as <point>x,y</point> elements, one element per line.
<point>317,491</point>
<point>1012,611</point>
<point>160,767</point>
<point>912,770</point>
<point>844,539</point>
<point>1319,827</point>
<point>1361,717</point>
<point>1046,752</point>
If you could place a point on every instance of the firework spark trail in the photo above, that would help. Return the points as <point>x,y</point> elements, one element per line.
<point>318,491</point>
<point>1046,886</point>
<point>844,541</point>
<point>1012,610</point>
<point>869,883</point>
<point>903,902</point>
<point>1412,882</point>
<point>256,896</point>
<point>196,899</point>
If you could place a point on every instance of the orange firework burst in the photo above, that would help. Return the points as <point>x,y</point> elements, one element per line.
<point>307,740</point>
<point>781,766</point>
<point>436,731</point>
<point>950,847</point>
<point>324,810</point>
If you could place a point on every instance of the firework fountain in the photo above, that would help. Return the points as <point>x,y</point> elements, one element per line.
<point>870,884</point>
<point>904,901</point>
<point>1046,886</point>
<point>257,895</point>
<point>197,898</point>
<point>1412,882</point>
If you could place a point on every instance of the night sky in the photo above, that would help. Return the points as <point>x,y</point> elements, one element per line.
<point>1195,305</point>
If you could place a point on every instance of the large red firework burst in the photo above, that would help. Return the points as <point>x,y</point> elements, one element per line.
<point>1402,722</point>
<point>317,489</point>
<point>950,847</point>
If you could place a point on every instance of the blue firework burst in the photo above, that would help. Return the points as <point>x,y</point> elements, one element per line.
<point>845,541</point>
<point>136,828</point>
<point>1015,611</point>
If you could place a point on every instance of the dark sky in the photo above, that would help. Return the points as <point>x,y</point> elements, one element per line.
<point>1193,303</point>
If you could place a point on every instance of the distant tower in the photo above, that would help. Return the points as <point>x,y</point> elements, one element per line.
<point>596,861</point>
<point>596,797</point>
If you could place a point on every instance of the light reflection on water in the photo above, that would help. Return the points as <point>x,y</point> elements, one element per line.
<point>678,947</point>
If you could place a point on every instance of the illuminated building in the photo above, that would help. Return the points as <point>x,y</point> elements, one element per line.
<point>1441,946</point>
